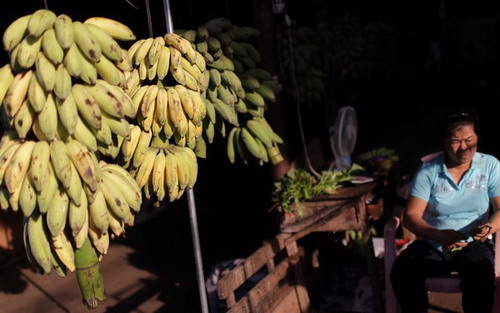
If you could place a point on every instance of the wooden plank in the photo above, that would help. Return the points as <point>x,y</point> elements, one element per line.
<point>263,288</point>
<point>236,277</point>
<point>281,300</point>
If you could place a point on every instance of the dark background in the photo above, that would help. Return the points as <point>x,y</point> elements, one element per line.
<point>435,55</point>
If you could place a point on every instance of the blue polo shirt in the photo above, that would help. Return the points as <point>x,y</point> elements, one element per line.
<point>459,207</point>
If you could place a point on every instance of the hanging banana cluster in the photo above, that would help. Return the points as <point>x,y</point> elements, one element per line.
<point>237,90</point>
<point>63,193</point>
<point>64,79</point>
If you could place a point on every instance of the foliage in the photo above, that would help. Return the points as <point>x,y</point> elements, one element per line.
<point>299,185</point>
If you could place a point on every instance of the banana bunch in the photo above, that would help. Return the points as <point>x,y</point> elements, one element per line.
<point>165,171</point>
<point>155,58</point>
<point>256,138</point>
<point>64,79</point>
<point>65,196</point>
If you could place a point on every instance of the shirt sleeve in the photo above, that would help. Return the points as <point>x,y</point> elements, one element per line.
<point>421,186</point>
<point>494,179</point>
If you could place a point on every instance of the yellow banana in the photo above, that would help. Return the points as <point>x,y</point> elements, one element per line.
<point>175,66</point>
<point>23,120</point>
<point>84,135</point>
<point>72,61</point>
<point>129,145</point>
<point>114,28</point>
<point>40,21</point>
<point>106,99</point>
<point>115,200</point>
<point>61,162</point>
<point>129,192</point>
<point>18,166</point>
<point>117,126</point>
<point>82,159</point>
<point>88,71</point>
<point>154,51</point>
<point>47,118</point>
<point>63,27</point>
<point>48,188</point>
<point>75,189</point>
<point>142,51</point>
<point>80,238</point>
<point>186,101</point>
<point>86,41</point>
<point>158,170</point>
<point>28,51</point>
<point>98,212</point>
<point>146,167</point>
<point>27,197</point>
<point>64,250</point>
<point>109,47</point>
<point>77,214</point>
<point>163,63</point>
<point>62,85</point>
<point>175,110</point>
<point>87,106</point>
<point>108,71</point>
<point>16,93</point>
<point>51,47</point>
<point>38,242</point>
<point>57,213</point>
<point>6,77</point>
<point>15,32</point>
<point>141,148</point>
<point>46,72</point>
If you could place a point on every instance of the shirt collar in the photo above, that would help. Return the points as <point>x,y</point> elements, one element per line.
<point>477,159</point>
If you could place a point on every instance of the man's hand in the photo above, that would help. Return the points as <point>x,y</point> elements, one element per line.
<point>481,233</point>
<point>450,238</point>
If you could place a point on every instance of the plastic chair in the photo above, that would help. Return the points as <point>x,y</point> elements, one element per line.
<point>449,284</point>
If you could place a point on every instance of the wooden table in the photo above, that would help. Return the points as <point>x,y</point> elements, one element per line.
<point>345,210</point>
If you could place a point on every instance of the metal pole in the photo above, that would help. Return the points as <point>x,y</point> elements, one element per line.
<point>197,251</point>
<point>191,203</point>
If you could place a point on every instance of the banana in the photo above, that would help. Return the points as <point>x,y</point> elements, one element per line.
<point>98,212</point>
<point>117,126</point>
<point>87,106</point>
<point>115,200</point>
<point>38,169</point>
<point>260,132</point>
<point>48,188</point>
<point>15,32</point>
<point>163,63</point>
<point>64,250</point>
<point>231,148</point>
<point>63,27</point>
<point>9,137</point>
<point>61,163</point>
<point>158,170</point>
<point>182,170</point>
<point>186,101</point>
<point>18,166</point>
<point>142,51</point>
<point>27,199</point>
<point>114,28</point>
<point>127,186</point>
<point>16,93</point>
<point>6,78</point>
<point>68,113</point>
<point>125,64</point>
<point>155,50</point>
<point>177,42</point>
<point>148,101</point>
<point>40,21</point>
<point>83,161</point>
<point>99,241</point>
<point>38,242</point>
<point>106,99</point>
<point>88,71</point>
<point>47,118</point>
<point>125,175</point>
<point>46,72</point>
<point>255,98</point>
<point>191,162</point>
<point>121,96</point>
<point>77,215</point>
<point>171,178</point>
<point>57,213</point>
<point>62,85</point>
<point>267,128</point>
<point>129,145</point>
<point>231,79</point>
<point>250,82</point>
<point>146,167</point>
<point>175,110</point>
<point>84,135</point>
<point>51,47</point>
<point>80,238</point>
<point>210,111</point>
<point>75,189</point>
<point>109,47</point>
<point>28,50</point>
<point>240,146</point>
<point>200,148</point>
<point>108,71</point>
<point>23,120</point>
<point>175,66</point>
<point>116,225</point>
<point>241,106</point>
<point>209,130</point>
<point>4,199</point>
<point>215,76</point>
<point>251,143</point>
<point>200,109</point>
<point>263,151</point>
<point>225,95</point>
<point>72,61</point>
<point>161,108</point>
<point>141,148</point>
<point>86,41</point>
<point>138,96</point>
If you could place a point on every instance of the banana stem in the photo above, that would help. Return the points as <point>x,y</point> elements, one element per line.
<point>88,274</point>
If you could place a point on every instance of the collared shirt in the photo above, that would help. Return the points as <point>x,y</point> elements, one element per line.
<point>461,206</point>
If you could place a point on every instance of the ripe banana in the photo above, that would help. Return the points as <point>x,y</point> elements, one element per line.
<point>84,163</point>
<point>77,214</point>
<point>48,188</point>
<point>40,21</point>
<point>63,27</point>
<point>57,213</point>
<point>144,170</point>
<point>27,198</point>
<point>114,28</point>
<point>18,166</point>
<point>64,250</point>
<point>61,162</point>
<point>87,106</point>
<point>28,50</point>
<point>51,47</point>
<point>16,93</point>
<point>38,242</point>
<point>15,32</point>
<point>47,118</point>
<point>86,41</point>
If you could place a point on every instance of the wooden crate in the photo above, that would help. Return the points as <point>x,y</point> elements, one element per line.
<point>338,212</point>
<point>282,290</point>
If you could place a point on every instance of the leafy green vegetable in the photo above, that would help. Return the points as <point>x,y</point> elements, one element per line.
<point>299,185</point>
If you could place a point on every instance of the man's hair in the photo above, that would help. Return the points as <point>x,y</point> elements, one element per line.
<point>458,118</point>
